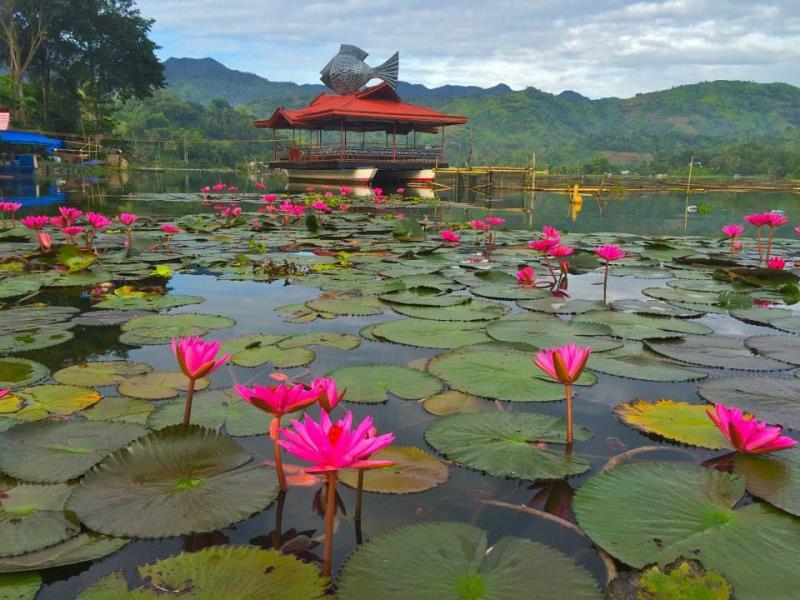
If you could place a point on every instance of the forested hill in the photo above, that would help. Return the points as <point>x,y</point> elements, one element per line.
<point>732,126</point>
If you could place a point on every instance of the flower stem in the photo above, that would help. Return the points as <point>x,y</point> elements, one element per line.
<point>758,243</point>
<point>769,244</point>
<point>187,408</point>
<point>605,285</point>
<point>330,517</point>
<point>568,387</point>
<point>279,457</point>
<point>550,268</point>
<point>130,240</point>
<point>359,494</point>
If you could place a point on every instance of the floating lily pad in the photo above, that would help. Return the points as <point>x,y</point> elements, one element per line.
<point>639,327</point>
<point>347,305</point>
<point>107,318</point>
<point>508,291</point>
<point>425,333</point>
<point>785,348</point>
<point>25,341</point>
<point>714,351</point>
<point>452,402</point>
<point>54,451</point>
<point>414,471</point>
<point>261,575</point>
<point>634,362</point>
<point>340,341</point>
<point>22,285</point>
<point>770,399</point>
<point>788,324</point>
<point>373,383</point>
<point>82,548</point>
<point>415,298</point>
<point>561,306</point>
<point>120,408</point>
<point>654,308</point>
<point>773,477</point>
<point>520,445</point>
<point>454,560</point>
<point>32,518</point>
<point>760,315</point>
<point>176,481</point>
<point>22,586</point>
<point>158,385</point>
<point>98,374</point>
<point>676,421</point>
<point>655,512</point>
<point>259,349</point>
<point>214,409</point>
<point>16,372</point>
<point>148,302</point>
<point>41,401</point>
<point>500,375</point>
<point>476,310</point>
<point>160,329</point>
<point>678,295</point>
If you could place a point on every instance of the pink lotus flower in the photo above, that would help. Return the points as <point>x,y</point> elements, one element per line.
<point>170,229</point>
<point>260,186</point>
<point>329,194</point>
<point>746,433</point>
<point>378,191</point>
<point>479,225</point>
<point>328,394</point>
<point>35,222</point>
<point>269,198</point>
<point>196,357</point>
<point>219,187</point>
<point>344,207</point>
<point>560,251</point>
<point>776,263</point>
<point>5,392</point>
<point>128,219</point>
<point>797,229</point>
<point>774,219</point>
<point>733,231</point>
<point>400,190</point>
<point>543,245</point>
<point>333,446</point>
<point>495,220</point>
<point>451,237</point>
<point>526,277</point>
<point>233,188</point>
<point>205,190</point>
<point>399,215</point>
<point>757,219</point>
<point>10,207</point>
<point>310,189</point>
<point>97,221</point>
<point>564,364</point>
<point>609,252</point>
<point>278,400</point>
<point>59,222</point>
<point>72,232</point>
<point>737,246</point>
<point>345,191</point>
<point>45,241</point>
<point>320,206</point>
<point>551,232</point>
<point>70,214</point>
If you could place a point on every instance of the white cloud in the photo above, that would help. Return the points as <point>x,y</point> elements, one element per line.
<point>597,47</point>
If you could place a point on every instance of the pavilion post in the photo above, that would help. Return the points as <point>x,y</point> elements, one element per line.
<point>394,141</point>
<point>441,146</point>
<point>341,141</point>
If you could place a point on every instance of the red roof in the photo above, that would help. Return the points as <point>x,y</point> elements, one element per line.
<point>378,107</point>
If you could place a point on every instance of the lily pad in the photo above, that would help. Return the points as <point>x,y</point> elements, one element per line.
<point>508,291</point>
<point>425,333</point>
<point>346,305</point>
<point>160,329</point>
<point>41,401</point>
<point>654,308</point>
<point>214,409</point>
<point>452,402</point>
<point>415,298</point>
<point>259,349</point>
<point>25,341</point>
<point>773,477</point>
<point>107,318</point>
<point>714,351</point>
<point>22,586</point>
<point>414,471</point>
<point>655,512</point>
<point>634,362</point>
<point>454,560</point>
<point>676,421</point>
<point>477,310</point>
<point>760,315</point>
<point>176,481</point>
<point>148,302</point>
<point>373,383</point>
<point>16,372</point>
<point>640,327</point>
<point>785,348</point>
<point>561,306</point>
<point>98,374</point>
<point>520,445</point>
<point>54,451</point>
<point>82,548</point>
<point>770,399</point>
<point>159,385</point>
<point>340,341</point>
<point>120,408</point>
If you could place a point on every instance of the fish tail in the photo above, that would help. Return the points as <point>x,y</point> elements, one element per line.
<point>388,70</point>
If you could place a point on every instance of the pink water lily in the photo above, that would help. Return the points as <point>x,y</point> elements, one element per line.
<point>70,214</point>
<point>732,231</point>
<point>526,277</point>
<point>564,364</point>
<point>233,188</point>
<point>758,220</point>
<point>776,263</point>
<point>608,253</point>
<point>320,206</point>
<point>72,232</point>
<point>260,186</point>
<point>328,393</point>
<point>196,358</point>
<point>170,230</point>
<point>5,392</point>
<point>451,237</point>
<point>746,433</point>
<point>205,190</point>
<point>270,198</point>
<point>496,221</point>
<point>97,221</point>
<point>773,220</point>
<point>45,241</point>
<point>35,222</point>
<point>478,225</point>
<point>219,187</point>
<point>561,253</point>
<point>128,219</point>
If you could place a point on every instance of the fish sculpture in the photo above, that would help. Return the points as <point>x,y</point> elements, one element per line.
<point>347,72</point>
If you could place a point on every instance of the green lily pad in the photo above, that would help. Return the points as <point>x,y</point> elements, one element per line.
<point>261,575</point>
<point>23,285</point>
<point>149,302</point>
<point>340,341</point>
<point>500,375</point>
<point>508,291</point>
<point>653,512</point>
<point>16,372</point>
<point>519,445</point>
<point>452,402</point>
<point>477,310</point>
<point>41,401</point>
<point>678,295</point>
<point>81,548</point>
<point>98,374</point>
<point>454,560</point>
<point>158,385</point>
<point>25,341</point>
<point>372,384</point>
<point>80,279</point>
<point>654,308</point>
<point>425,333</point>
<point>676,421</point>
<point>414,471</point>
<point>259,349</point>
<point>160,329</point>
<point>788,324</point>
<point>634,362</point>
<point>785,348</point>
<point>714,351</point>
<point>760,315</point>
<point>176,481</point>
<point>347,305</point>
<point>561,306</point>
<point>32,518</point>
<point>640,327</point>
<point>214,409</point>
<point>55,451</point>
<point>120,408</point>
<point>21,586</point>
<point>773,477</point>
<point>770,399</point>
<point>415,298</point>
<point>75,259</point>
<point>107,318</point>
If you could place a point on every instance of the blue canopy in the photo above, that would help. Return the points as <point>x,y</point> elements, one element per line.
<point>26,138</point>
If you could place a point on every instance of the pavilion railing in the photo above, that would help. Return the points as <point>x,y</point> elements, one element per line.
<point>295,153</point>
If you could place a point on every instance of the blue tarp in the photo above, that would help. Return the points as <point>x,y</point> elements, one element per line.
<point>25,138</point>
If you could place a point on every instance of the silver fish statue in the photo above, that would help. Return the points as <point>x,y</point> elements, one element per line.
<point>347,72</point>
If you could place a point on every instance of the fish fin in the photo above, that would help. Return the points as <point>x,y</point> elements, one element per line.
<point>353,51</point>
<point>388,70</point>
<point>326,74</point>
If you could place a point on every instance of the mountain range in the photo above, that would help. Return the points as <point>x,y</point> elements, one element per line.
<point>507,126</point>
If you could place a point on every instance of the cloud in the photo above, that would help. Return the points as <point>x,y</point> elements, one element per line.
<point>596,47</point>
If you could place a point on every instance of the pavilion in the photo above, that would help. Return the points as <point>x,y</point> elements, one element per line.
<point>355,158</point>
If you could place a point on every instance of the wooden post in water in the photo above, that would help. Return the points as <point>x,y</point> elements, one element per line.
<point>689,180</point>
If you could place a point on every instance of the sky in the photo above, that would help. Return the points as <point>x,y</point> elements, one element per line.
<point>598,48</point>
